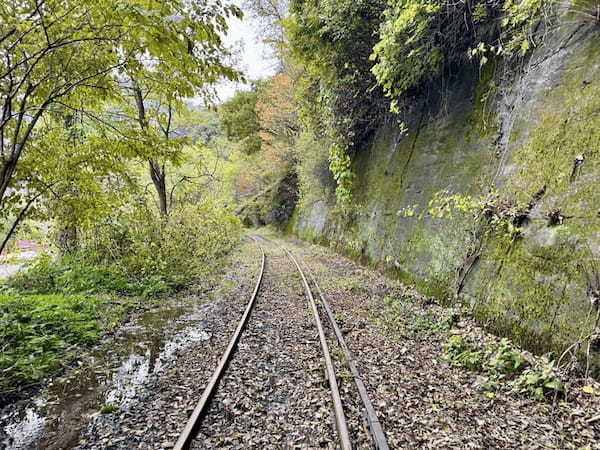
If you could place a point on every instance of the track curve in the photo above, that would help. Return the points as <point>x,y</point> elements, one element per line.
<point>188,432</point>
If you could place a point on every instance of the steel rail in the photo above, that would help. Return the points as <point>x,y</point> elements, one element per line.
<point>375,429</point>
<point>340,418</point>
<point>377,434</point>
<point>189,432</point>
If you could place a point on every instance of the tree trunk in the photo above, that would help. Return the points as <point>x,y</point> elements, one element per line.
<point>66,239</point>
<point>18,219</point>
<point>6,172</point>
<point>157,170</point>
<point>157,173</point>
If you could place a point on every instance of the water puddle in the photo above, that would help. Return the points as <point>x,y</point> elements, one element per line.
<point>113,374</point>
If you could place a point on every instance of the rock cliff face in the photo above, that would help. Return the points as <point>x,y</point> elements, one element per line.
<point>528,263</point>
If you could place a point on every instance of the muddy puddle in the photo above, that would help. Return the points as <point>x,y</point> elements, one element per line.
<point>112,375</point>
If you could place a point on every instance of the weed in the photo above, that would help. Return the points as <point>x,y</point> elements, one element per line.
<point>400,312</point>
<point>392,311</point>
<point>503,359</point>
<point>109,409</point>
<point>501,363</point>
<point>39,332</point>
<point>350,284</point>
<point>538,381</point>
<point>459,352</point>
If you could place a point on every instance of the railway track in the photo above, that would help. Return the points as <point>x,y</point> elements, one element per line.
<point>202,408</point>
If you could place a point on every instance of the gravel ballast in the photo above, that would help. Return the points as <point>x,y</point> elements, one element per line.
<point>275,394</point>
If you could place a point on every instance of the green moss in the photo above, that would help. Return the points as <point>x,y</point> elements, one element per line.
<point>292,225</point>
<point>568,125</point>
<point>482,118</point>
<point>533,289</point>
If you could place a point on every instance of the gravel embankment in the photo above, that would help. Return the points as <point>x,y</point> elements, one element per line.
<point>159,412</point>
<point>424,402</point>
<point>274,394</point>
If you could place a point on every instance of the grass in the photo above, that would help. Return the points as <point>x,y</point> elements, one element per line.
<point>109,409</point>
<point>78,274</point>
<point>59,306</point>
<point>39,333</point>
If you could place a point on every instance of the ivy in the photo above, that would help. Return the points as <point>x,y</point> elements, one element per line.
<point>338,95</point>
<point>405,53</point>
<point>422,40</point>
<point>497,216</point>
<point>340,166</point>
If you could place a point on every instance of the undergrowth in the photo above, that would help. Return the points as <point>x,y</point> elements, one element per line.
<point>59,304</point>
<point>400,315</point>
<point>79,273</point>
<point>504,366</point>
<point>39,333</point>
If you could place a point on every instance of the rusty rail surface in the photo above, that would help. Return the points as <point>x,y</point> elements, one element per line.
<point>377,434</point>
<point>340,418</point>
<point>189,432</point>
<point>374,426</point>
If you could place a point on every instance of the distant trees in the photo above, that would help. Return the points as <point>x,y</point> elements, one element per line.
<point>264,124</point>
<point>271,14</point>
<point>277,111</point>
<point>241,121</point>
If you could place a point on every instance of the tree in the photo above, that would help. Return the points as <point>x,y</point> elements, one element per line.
<point>52,53</point>
<point>266,117</point>
<point>61,58</point>
<point>80,172</point>
<point>277,111</point>
<point>187,60</point>
<point>240,119</point>
<point>271,14</point>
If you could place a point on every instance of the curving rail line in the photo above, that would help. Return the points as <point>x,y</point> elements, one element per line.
<point>377,434</point>
<point>189,432</point>
<point>374,429</point>
<point>338,409</point>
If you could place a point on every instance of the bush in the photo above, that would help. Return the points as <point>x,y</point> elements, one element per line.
<point>50,309</point>
<point>138,253</point>
<point>69,275</point>
<point>501,362</point>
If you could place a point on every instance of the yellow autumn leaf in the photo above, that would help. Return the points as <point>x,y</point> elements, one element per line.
<point>590,390</point>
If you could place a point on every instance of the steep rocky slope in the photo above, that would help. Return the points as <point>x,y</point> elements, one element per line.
<point>524,142</point>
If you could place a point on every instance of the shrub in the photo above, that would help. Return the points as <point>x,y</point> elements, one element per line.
<point>50,309</point>
<point>501,362</point>
<point>138,253</point>
<point>538,381</point>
